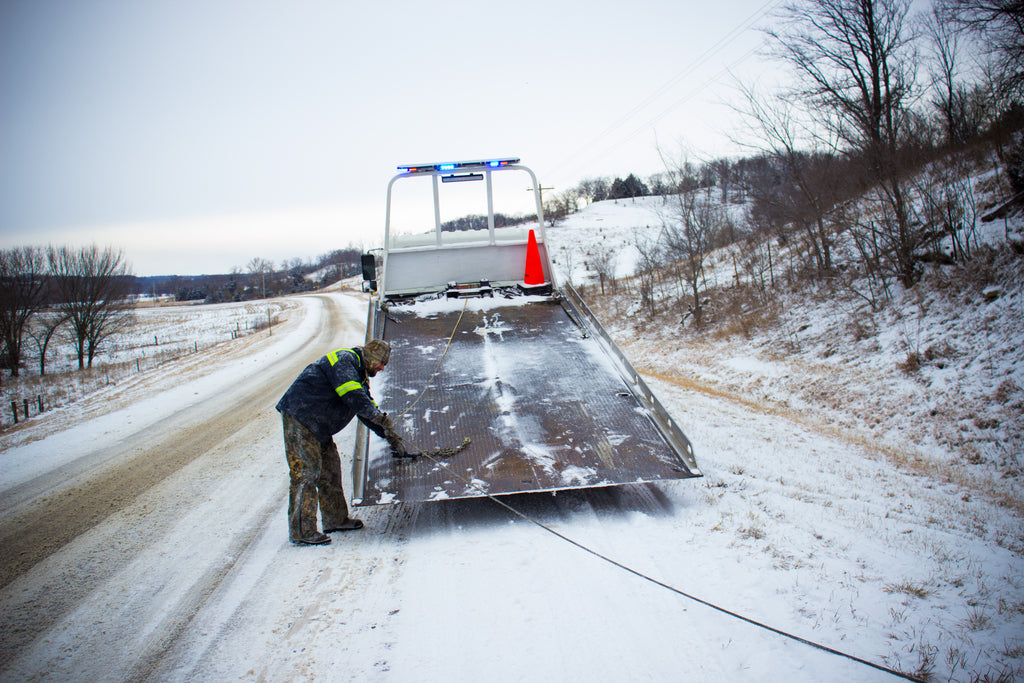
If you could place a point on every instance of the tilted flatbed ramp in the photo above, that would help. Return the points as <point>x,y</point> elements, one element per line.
<point>487,347</point>
<point>534,387</point>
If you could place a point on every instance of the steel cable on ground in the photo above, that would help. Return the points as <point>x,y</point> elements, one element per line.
<point>472,484</point>
<point>662,584</point>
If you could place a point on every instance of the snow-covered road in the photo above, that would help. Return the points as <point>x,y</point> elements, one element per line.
<point>189,575</point>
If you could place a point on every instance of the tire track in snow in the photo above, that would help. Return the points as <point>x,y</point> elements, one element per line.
<point>182,617</point>
<point>340,602</point>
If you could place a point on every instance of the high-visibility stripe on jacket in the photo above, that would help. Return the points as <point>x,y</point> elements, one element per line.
<point>332,356</point>
<point>329,393</point>
<point>347,387</point>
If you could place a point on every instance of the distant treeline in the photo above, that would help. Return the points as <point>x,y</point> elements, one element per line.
<point>259,279</point>
<point>477,222</point>
<point>82,294</point>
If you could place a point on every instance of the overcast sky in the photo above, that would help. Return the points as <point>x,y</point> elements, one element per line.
<point>198,134</point>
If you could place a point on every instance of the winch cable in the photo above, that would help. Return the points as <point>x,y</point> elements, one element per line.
<point>825,648</point>
<point>472,484</point>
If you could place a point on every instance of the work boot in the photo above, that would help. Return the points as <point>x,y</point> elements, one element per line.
<point>316,539</point>
<point>349,524</point>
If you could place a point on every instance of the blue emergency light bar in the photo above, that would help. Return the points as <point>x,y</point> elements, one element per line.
<point>450,166</point>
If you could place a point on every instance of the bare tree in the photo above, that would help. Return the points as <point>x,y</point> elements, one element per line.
<point>44,331</point>
<point>856,60</point>
<point>950,207</point>
<point>999,27</point>
<point>945,52</point>
<point>657,184</point>
<point>690,223</point>
<point>756,254</point>
<point>603,263</point>
<point>259,268</point>
<point>22,285</point>
<point>689,227</point>
<point>809,160</point>
<point>91,285</point>
<point>593,189</point>
<point>650,253</point>
<point>723,170</point>
<point>563,204</point>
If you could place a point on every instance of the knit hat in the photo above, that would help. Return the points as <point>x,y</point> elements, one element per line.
<point>376,351</point>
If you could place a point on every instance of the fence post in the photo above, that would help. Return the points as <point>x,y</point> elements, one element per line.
<point>14,411</point>
<point>25,402</point>
<point>39,399</point>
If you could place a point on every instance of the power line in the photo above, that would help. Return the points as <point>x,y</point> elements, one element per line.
<point>717,47</point>
<point>682,100</point>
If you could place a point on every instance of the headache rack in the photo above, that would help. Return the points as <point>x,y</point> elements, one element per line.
<point>486,346</point>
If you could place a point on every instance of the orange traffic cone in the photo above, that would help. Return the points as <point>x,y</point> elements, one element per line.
<point>534,274</point>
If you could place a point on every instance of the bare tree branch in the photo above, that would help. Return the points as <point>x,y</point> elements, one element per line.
<point>91,285</point>
<point>999,27</point>
<point>22,285</point>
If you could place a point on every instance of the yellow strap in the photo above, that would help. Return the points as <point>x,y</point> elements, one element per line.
<point>437,367</point>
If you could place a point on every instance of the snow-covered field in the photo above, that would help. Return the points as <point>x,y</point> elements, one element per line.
<point>156,335</point>
<point>864,530</point>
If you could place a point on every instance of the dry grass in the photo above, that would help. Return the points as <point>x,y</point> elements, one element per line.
<point>977,620</point>
<point>910,588</point>
<point>1004,493</point>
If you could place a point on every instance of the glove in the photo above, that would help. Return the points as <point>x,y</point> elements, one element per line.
<point>390,433</point>
<point>397,448</point>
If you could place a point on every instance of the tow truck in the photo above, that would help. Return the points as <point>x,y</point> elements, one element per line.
<point>496,363</point>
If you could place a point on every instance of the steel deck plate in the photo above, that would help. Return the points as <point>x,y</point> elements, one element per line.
<point>543,405</point>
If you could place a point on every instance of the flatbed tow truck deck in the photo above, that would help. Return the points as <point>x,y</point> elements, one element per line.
<point>527,375</point>
<point>543,407</point>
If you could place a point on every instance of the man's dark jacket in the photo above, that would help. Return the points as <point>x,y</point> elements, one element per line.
<point>330,392</point>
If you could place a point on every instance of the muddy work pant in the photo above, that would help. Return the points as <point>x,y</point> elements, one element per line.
<point>315,469</point>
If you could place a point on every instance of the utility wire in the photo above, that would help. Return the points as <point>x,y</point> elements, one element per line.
<point>734,33</point>
<point>688,96</point>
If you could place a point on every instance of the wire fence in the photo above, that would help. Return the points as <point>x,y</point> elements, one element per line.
<point>155,337</point>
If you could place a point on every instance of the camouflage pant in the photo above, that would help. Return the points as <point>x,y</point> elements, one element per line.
<point>315,470</point>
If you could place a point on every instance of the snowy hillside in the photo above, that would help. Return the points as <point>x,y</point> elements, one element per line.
<point>936,379</point>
